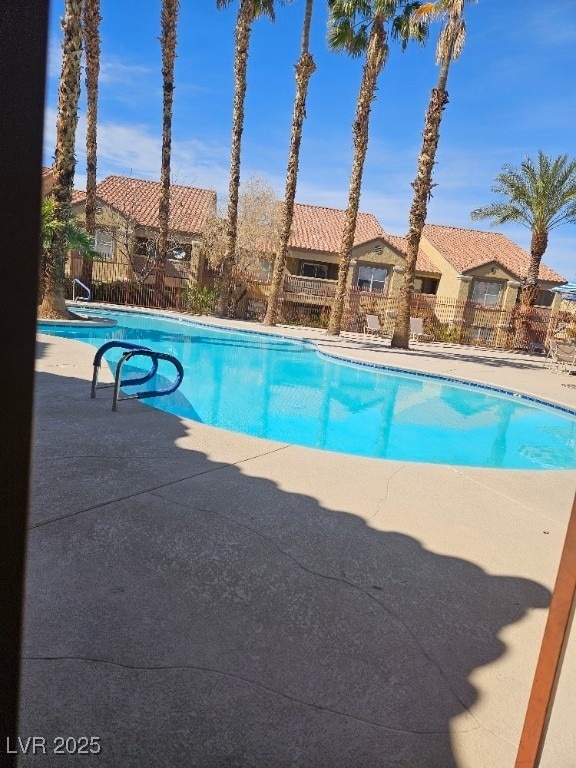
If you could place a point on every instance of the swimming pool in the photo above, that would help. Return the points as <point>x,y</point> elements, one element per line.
<point>285,390</point>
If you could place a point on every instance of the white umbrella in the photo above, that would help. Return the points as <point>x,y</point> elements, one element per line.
<point>567,291</point>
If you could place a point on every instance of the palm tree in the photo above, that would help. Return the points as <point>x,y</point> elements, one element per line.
<point>358,27</point>
<point>304,70</point>
<point>53,303</point>
<point>449,48</point>
<point>248,11</point>
<point>540,196</point>
<point>168,42</point>
<point>77,239</point>
<point>91,34</point>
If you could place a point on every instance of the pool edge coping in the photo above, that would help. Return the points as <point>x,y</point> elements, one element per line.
<point>272,331</point>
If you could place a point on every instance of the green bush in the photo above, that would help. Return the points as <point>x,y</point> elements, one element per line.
<point>200,300</point>
<point>449,334</point>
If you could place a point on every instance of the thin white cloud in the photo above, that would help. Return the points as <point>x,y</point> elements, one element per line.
<point>114,70</point>
<point>553,24</point>
<point>464,180</point>
<point>134,150</point>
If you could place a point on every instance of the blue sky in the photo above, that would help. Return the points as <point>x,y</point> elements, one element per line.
<point>511,93</point>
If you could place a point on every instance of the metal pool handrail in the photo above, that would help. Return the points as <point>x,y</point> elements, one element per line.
<point>88,296</point>
<point>154,356</point>
<point>123,345</point>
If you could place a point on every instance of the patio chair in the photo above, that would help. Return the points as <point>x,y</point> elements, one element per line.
<point>417,329</point>
<point>561,356</point>
<point>372,325</point>
<point>537,346</point>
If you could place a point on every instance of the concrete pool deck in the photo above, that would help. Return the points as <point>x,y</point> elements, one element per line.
<point>198,597</point>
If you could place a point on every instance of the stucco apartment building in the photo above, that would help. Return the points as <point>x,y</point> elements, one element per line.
<point>482,268</point>
<point>127,229</point>
<point>453,262</point>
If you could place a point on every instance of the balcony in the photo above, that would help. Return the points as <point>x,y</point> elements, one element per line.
<point>311,289</point>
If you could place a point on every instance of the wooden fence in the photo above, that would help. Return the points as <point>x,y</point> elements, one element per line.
<point>307,302</point>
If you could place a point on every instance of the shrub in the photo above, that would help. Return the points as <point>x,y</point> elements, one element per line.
<point>199,300</point>
<point>449,334</point>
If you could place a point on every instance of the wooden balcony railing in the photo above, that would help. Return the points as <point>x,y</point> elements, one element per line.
<point>311,286</point>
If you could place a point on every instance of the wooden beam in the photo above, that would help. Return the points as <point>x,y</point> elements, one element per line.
<point>552,651</point>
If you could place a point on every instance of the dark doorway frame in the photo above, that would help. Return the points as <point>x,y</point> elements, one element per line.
<point>23,31</point>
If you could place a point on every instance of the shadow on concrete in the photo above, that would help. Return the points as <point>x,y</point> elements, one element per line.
<point>190,614</point>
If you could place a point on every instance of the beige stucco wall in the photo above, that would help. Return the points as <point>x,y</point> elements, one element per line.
<point>363,255</point>
<point>47,184</point>
<point>449,285</point>
<point>296,255</point>
<point>491,271</point>
<point>119,268</point>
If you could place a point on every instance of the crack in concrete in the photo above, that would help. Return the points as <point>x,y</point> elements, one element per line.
<point>248,681</point>
<point>374,515</point>
<point>352,585</point>
<point>512,500</point>
<point>155,488</point>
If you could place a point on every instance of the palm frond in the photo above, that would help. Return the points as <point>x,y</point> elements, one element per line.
<point>79,240</point>
<point>261,7</point>
<point>540,194</point>
<point>343,36</point>
<point>408,25</point>
<point>459,38</point>
<point>264,8</point>
<point>425,11</point>
<point>451,39</point>
<point>350,9</point>
<point>349,22</point>
<point>49,225</point>
<point>444,45</point>
<point>500,213</point>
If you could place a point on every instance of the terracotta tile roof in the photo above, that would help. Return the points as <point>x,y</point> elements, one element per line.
<point>78,196</point>
<point>315,228</point>
<point>423,263</point>
<point>46,172</point>
<point>466,249</point>
<point>138,201</point>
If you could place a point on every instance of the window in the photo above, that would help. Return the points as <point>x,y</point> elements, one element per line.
<point>426,285</point>
<point>308,269</point>
<point>104,244</point>
<point>372,279</point>
<point>487,293</point>
<point>264,269</point>
<point>478,333</point>
<point>544,298</point>
<point>144,246</point>
<point>178,252</point>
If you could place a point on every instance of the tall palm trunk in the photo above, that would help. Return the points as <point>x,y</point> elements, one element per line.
<point>242,42</point>
<point>422,186</point>
<point>53,303</point>
<point>91,35</point>
<point>529,292</point>
<point>538,245</point>
<point>375,58</point>
<point>168,43</point>
<point>304,70</point>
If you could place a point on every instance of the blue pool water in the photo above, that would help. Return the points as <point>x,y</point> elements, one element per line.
<point>276,388</point>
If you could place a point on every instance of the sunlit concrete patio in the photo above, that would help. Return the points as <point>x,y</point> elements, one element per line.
<point>202,598</point>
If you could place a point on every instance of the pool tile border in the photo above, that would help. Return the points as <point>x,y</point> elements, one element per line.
<point>178,317</point>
